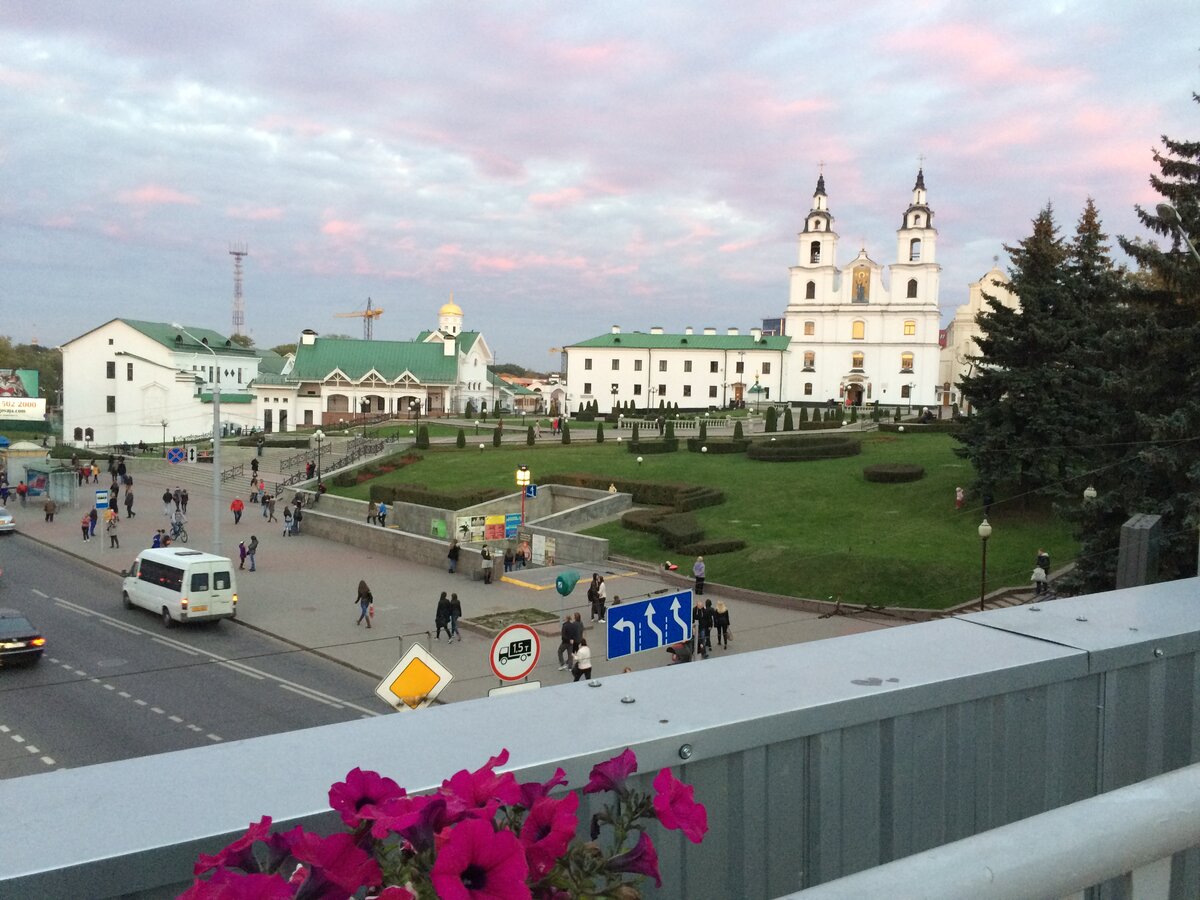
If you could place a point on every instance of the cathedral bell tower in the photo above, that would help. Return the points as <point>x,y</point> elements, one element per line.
<point>814,278</point>
<point>915,273</point>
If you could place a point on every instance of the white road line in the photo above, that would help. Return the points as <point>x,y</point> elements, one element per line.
<point>3,729</point>
<point>128,629</point>
<point>310,695</point>
<point>176,719</point>
<point>155,709</point>
<point>48,760</point>
<point>194,728</point>
<point>41,594</point>
<point>32,749</point>
<point>110,687</point>
<point>17,738</point>
<point>124,694</point>
<point>244,670</point>
<point>81,674</point>
<point>214,737</point>
<point>140,702</point>
<point>174,645</point>
<point>71,607</point>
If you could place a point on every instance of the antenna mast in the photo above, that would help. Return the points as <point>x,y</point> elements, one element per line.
<point>238,251</point>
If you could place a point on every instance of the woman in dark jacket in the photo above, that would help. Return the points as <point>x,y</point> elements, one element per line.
<point>364,601</point>
<point>721,622</point>
<point>442,617</point>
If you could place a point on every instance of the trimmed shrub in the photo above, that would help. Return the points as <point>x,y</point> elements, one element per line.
<point>460,439</point>
<point>713,546</point>
<point>943,426</point>
<point>772,420</point>
<point>738,435</point>
<point>669,432</point>
<point>646,519</point>
<point>648,448</point>
<point>645,493</point>
<point>633,434</point>
<point>421,495</point>
<point>703,435</point>
<point>678,530</point>
<point>853,414</point>
<point>717,445</point>
<point>788,423</point>
<point>697,497</point>
<point>566,432</point>
<point>795,449</point>
<point>896,415</point>
<point>345,479</point>
<point>893,473</point>
<point>422,438</point>
<point>599,432</point>
<point>497,436</point>
<point>529,438</point>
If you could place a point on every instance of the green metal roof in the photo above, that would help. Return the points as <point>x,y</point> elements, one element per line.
<point>391,359</point>
<point>270,361</point>
<point>265,378</point>
<point>206,397</point>
<point>639,340</point>
<point>465,339</point>
<point>166,335</point>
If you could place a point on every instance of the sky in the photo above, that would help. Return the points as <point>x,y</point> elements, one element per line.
<point>558,167</point>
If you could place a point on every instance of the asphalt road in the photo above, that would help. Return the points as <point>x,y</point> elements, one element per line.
<point>114,684</point>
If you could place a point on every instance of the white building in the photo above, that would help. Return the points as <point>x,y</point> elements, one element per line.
<point>128,381</point>
<point>857,336</point>
<point>960,334</point>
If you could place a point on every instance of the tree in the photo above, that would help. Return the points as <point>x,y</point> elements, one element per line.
<point>497,436</point>
<point>703,436</point>
<point>242,340</point>
<point>788,424</point>
<point>422,438</point>
<point>669,433</point>
<point>529,438</point>
<point>804,414</point>
<point>566,432</point>
<point>460,440</point>
<point>772,419</point>
<point>738,434</point>
<point>284,349</point>
<point>633,434</point>
<point>599,432</point>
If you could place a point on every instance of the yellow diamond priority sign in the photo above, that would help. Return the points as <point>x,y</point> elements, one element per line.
<point>415,681</point>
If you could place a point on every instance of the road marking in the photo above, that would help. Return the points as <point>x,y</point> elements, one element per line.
<point>80,674</point>
<point>124,694</point>
<point>140,702</point>
<point>4,729</point>
<point>128,629</point>
<point>48,760</point>
<point>311,696</point>
<point>32,749</point>
<point>176,720</point>
<point>214,737</point>
<point>243,670</point>
<point>29,748</point>
<point>17,738</point>
<point>110,687</point>
<point>38,593</point>
<point>155,709</point>
<point>174,645</point>
<point>194,728</point>
<point>71,607</point>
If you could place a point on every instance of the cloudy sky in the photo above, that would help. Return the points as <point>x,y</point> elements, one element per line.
<point>560,167</point>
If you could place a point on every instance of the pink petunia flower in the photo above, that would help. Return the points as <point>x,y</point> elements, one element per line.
<point>240,853</point>
<point>357,797</point>
<point>481,791</point>
<point>532,791</point>
<point>337,859</point>
<point>226,885</point>
<point>416,819</point>
<point>476,862</point>
<point>676,807</point>
<point>547,832</point>
<point>396,893</point>
<point>611,775</point>
<point>641,860</point>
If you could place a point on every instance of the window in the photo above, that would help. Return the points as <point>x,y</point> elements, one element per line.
<point>858,330</point>
<point>687,366</point>
<point>906,362</point>
<point>662,390</point>
<point>662,365</point>
<point>856,360</point>
<point>814,252</point>
<point>637,390</point>
<point>912,288</point>
<point>739,367</point>
<point>199,582</point>
<point>810,328</point>
<point>810,291</point>
<point>914,250</point>
<point>129,371</point>
<point>111,404</point>
<point>910,326</point>
<point>905,391</point>
<point>239,376</point>
<point>766,370</point>
<point>616,365</point>
<point>587,388</point>
<point>110,369</point>
<point>687,390</point>
<point>714,367</point>
<point>810,359</point>
<point>587,363</point>
<point>712,392</point>
<point>808,389</point>
<point>637,365</point>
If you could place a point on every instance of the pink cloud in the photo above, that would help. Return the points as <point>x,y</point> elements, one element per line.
<point>156,195</point>
<point>63,221</point>
<point>292,125</point>
<point>341,228</point>
<point>494,263</point>
<point>255,213</point>
<point>557,199</point>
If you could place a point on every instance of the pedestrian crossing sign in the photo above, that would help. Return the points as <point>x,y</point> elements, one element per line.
<point>415,681</point>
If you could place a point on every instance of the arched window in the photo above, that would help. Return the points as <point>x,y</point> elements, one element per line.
<point>917,221</point>
<point>810,359</point>
<point>89,434</point>
<point>808,389</point>
<point>906,362</point>
<point>814,252</point>
<point>910,326</point>
<point>810,328</point>
<point>856,360</point>
<point>810,291</point>
<point>914,250</point>
<point>912,288</point>
<point>79,434</point>
<point>858,330</point>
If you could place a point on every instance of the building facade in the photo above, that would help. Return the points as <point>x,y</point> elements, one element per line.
<point>960,347</point>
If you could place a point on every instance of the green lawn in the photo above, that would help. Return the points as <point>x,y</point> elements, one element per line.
<point>813,529</point>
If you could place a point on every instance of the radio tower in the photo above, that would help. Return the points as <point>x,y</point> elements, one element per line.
<point>237,251</point>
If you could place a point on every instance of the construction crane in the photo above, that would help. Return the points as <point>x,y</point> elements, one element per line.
<point>368,315</point>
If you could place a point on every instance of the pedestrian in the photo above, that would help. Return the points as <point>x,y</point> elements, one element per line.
<point>697,638</point>
<point>114,491</point>
<point>271,509</point>
<point>485,563</point>
<point>287,521</point>
<point>364,599</point>
<point>253,471</point>
<point>680,653</point>
<point>452,556</point>
<point>177,497</point>
<point>373,515</point>
<point>49,507</point>
<point>721,621</point>
<point>565,647</point>
<point>1043,560</point>
<point>157,540</point>
<point>183,500</point>
<point>455,615</point>
<point>95,472</point>
<point>129,513</point>
<point>236,508</point>
<point>706,624</point>
<point>297,518</point>
<point>241,554</point>
<point>110,525</point>
<point>698,569</point>
<point>959,497</point>
<point>509,556</point>
<point>383,511</point>
<point>260,446</point>
<point>441,618</point>
<point>593,596</point>
<point>22,492</point>
<point>251,549</point>
<point>85,523</point>
<point>602,589</point>
<point>264,501</point>
<point>1039,581</point>
<point>166,499</point>
<point>93,518</point>
<point>582,667</point>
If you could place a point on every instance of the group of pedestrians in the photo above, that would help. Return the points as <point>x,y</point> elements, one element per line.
<point>449,611</point>
<point>573,650</point>
<point>377,513</point>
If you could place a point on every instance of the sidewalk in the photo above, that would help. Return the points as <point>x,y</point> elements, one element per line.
<point>304,590</point>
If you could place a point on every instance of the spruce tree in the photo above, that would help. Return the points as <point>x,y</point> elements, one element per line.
<point>529,438</point>
<point>566,433</point>
<point>804,414</point>
<point>497,435</point>
<point>422,438</point>
<point>772,419</point>
<point>703,435</point>
<point>461,440</point>
<point>788,424</point>
<point>599,432</point>
<point>633,433</point>
<point>738,434</point>
<point>669,433</point>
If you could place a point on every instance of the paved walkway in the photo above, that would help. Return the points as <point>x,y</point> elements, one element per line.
<point>304,589</point>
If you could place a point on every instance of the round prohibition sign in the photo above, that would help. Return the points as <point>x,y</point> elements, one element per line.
<point>515,652</point>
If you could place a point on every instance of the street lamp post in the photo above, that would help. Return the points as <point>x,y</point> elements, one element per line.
<point>1171,216</point>
<point>985,532</point>
<point>415,407</point>
<point>164,446</point>
<point>911,385</point>
<point>216,439</point>
<point>319,437</point>
<point>477,426</point>
<point>522,484</point>
<point>615,389</point>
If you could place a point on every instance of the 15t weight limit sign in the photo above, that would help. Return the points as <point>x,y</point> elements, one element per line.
<point>515,652</point>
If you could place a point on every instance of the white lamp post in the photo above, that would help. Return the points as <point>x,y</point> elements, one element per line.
<point>216,438</point>
<point>522,484</point>
<point>985,532</point>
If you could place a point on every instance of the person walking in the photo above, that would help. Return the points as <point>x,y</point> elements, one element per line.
<point>110,525</point>
<point>22,492</point>
<point>564,644</point>
<point>593,597</point>
<point>1043,560</point>
<point>452,556</point>
<point>455,615</point>
<point>441,618</point>
<point>602,591</point>
<point>582,669</point>
<point>364,601</point>
<point>706,625</point>
<point>253,471</point>
<point>287,521</point>
<point>167,500</point>
<point>177,497</point>
<point>251,549</point>
<point>485,563</point>
<point>85,524</point>
<point>93,518</point>
<point>271,509</point>
<point>49,508</point>
<point>698,569</point>
<point>297,518</point>
<point>1039,580</point>
<point>721,621</point>
<point>129,513</point>
<point>372,513</point>
<point>383,511</point>
<point>236,508</point>
<point>241,554</point>
<point>960,497</point>
<point>509,556</point>
<point>183,500</point>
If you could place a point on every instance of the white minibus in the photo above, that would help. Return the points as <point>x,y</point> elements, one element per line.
<point>181,585</point>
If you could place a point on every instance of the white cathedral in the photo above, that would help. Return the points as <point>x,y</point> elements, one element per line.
<point>849,334</point>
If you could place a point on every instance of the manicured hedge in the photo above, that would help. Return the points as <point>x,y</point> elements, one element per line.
<point>717,446</point>
<point>402,493</point>
<point>713,546</point>
<point>893,473</point>
<point>649,448</point>
<point>645,519</point>
<point>793,449</point>
<point>680,497</point>
<point>679,530</point>
<point>942,426</point>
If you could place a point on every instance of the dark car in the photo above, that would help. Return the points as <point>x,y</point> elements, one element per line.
<point>19,640</point>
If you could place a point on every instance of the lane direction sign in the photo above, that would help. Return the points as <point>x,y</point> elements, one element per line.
<point>515,652</point>
<point>415,681</point>
<point>649,624</point>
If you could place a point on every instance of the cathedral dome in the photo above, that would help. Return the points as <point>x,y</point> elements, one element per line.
<point>450,309</point>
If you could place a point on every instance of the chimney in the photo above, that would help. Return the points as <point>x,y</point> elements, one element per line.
<point>710,330</point>
<point>616,329</point>
<point>731,331</point>
<point>448,347</point>
<point>308,336</point>
<point>689,330</point>
<point>756,334</point>
<point>656,329</point>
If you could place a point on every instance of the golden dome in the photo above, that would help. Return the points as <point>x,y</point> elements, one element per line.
<point>451,308</point>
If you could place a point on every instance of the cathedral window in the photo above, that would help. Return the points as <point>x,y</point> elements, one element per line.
<point>916,221</point>
<point>712,391</point>
<point>616,365</point>
<point>856,361</point>
<point>714,367</point>
<point>910,326</point>
<point>687,366</point>
<point>914,250</point>
<point>587,388</point>
<point>810,328</point>
<point>808,389</point>
<point>912,288</point>
<point>858,330</point>
<point>810,291</point>
<point>906,362</point>
<point>637,365</point>
<point>587,363</point>
<point>687,390</point>
<point>810,360</point>
<point>662,365</point>
<point>814,252</point>
<point>637,390</point>
<point>766,368</point>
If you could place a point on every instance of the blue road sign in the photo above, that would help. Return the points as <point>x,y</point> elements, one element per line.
<point>176,455</point>
<point>531,490</point>
<point>649,624</point>
<point>101,499</point>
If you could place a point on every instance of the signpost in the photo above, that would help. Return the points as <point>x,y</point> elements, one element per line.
<point>515,652</point>
<point>649,624</point>
<point>176,455</point>
<point>415,681</point>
